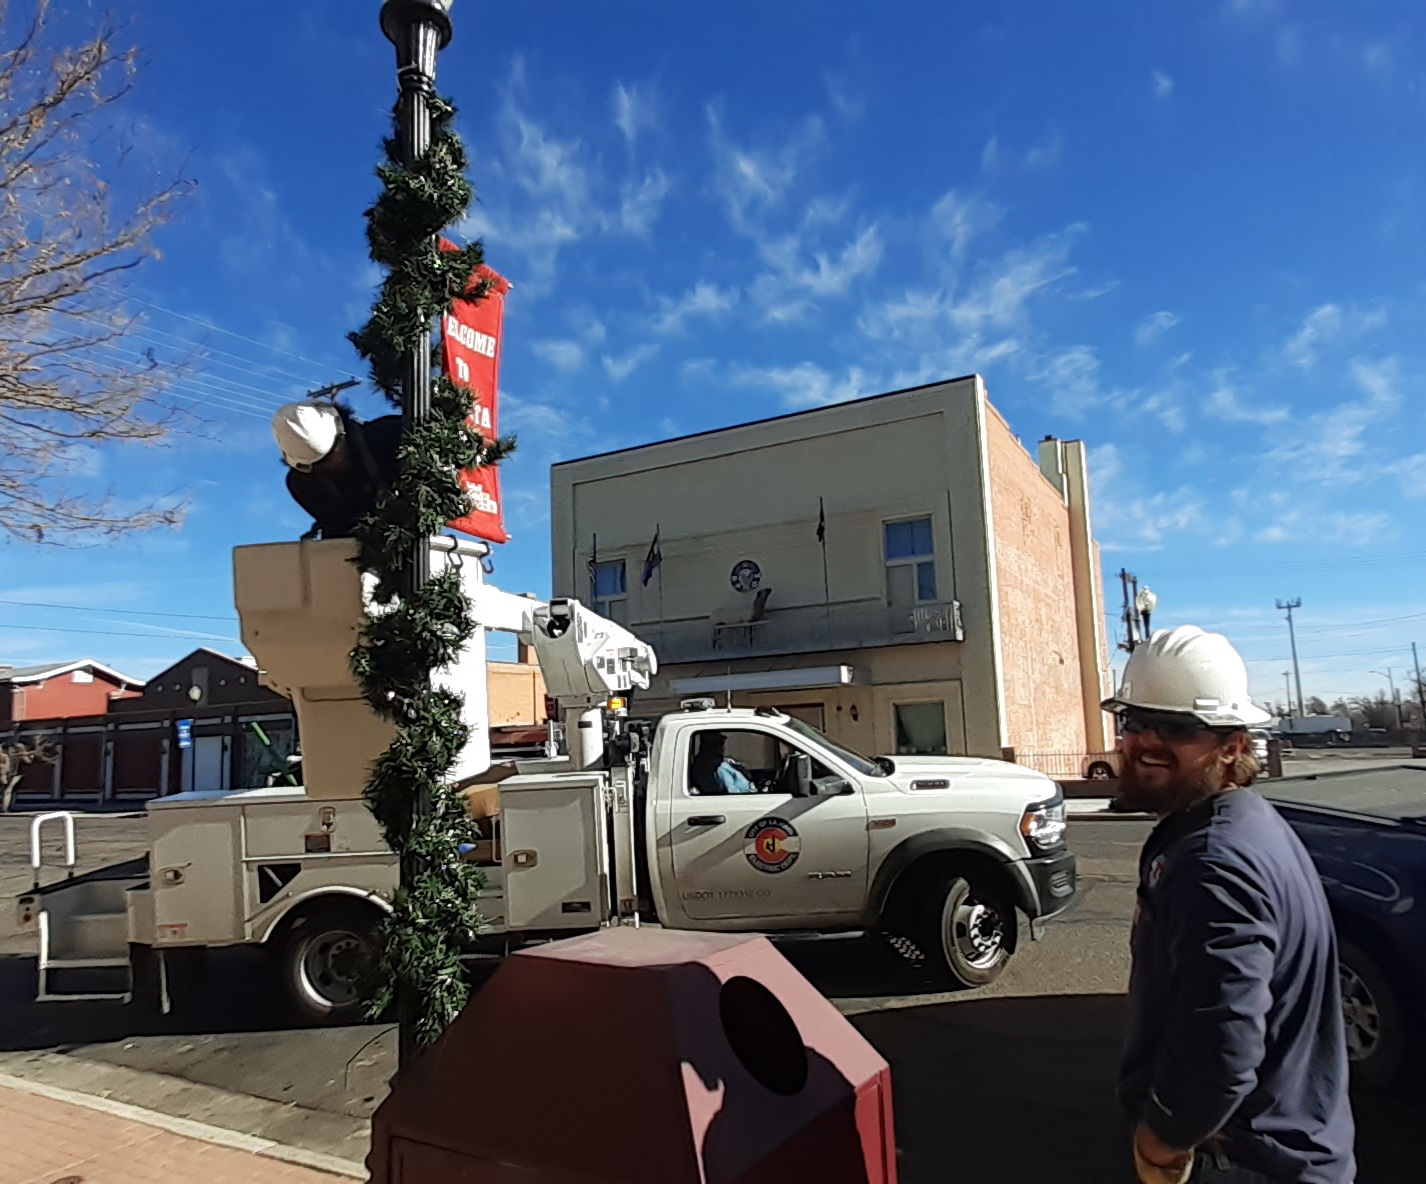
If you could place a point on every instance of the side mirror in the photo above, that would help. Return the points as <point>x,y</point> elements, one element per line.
<point>802,786</point>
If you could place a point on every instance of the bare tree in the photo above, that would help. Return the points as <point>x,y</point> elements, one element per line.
<point>71,377</point>
<point>14,756</point>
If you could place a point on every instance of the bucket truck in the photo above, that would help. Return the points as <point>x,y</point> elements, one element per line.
<point>707,819</point>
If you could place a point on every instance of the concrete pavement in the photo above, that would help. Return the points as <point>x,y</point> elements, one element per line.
<point>1007,1083</point>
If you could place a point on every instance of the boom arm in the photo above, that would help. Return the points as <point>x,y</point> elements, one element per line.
<point>584,657</point>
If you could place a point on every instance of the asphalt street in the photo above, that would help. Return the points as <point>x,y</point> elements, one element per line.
<point>1013,1082</point>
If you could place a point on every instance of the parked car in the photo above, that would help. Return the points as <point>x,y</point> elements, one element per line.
<point>1366,833</point>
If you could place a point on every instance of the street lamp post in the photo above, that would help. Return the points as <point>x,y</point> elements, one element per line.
<point>419,30</point>
<point>1391,682</point>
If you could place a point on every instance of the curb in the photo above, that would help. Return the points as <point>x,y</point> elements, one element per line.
<point>188,1128</point>
<point>1110,816</point>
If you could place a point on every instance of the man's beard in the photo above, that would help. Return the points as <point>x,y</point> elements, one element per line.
<point>1181,790</point>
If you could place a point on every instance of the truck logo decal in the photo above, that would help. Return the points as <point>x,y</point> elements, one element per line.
<point>771,844</point>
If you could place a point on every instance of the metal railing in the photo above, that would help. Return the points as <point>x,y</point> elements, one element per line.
<point>805,629</point>
<point>1071,766</point>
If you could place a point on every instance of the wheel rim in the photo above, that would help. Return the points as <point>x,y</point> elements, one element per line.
<point>976,932</point>
<point>1098,773</point>
<point>1361,1015</point>
<point>331,967</point>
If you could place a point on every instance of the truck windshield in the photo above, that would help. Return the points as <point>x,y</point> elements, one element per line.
<point>861,764</point>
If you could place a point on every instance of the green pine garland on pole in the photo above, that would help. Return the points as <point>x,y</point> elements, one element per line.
<point>408,637</point>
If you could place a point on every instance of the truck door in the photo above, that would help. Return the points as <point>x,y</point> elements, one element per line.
<point>745,848</point>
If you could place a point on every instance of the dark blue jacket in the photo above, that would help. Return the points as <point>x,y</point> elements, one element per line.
<point>1235,1024</point>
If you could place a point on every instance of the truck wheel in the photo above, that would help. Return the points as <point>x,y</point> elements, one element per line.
<point>1100,771</point>
<point>965,932</point>
<point>1376,1026</point>
<point>326,952</point>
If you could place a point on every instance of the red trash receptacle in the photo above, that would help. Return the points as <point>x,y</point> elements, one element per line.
<point>642,1056</point>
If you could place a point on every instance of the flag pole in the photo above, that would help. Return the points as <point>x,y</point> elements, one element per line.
<point>826,584</point>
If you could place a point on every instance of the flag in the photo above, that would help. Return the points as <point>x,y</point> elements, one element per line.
<point>593,565</point>
<point>821,522</point>
<point>653,560</point>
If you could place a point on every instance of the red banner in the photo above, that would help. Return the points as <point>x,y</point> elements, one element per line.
<point>470,349</point>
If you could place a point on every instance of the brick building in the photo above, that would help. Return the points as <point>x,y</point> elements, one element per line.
<point>60,690</point>
<point>899,571</point>
<point>234,730</point>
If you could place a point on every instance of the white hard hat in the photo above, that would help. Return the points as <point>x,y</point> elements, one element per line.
<point>306,432</point>
<point>1191,672</point>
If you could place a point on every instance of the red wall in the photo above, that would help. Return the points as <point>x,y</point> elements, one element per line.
<point>62,698</point>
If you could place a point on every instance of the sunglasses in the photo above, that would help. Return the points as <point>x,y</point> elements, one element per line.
<point>1168,726</point>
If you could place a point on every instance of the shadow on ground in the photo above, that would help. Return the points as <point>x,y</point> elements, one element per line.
<point>987,1090</point>
<point>1020,1089</point>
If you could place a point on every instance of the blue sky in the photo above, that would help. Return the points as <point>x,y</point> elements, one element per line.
<point>1189,235</point>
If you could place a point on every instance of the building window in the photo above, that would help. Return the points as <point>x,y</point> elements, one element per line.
<point>920,729</point>
<point>910,563</point>
<point>609,591</point>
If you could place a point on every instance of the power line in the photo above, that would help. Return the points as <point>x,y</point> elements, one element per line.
<point>144,331</point>
<point>133,612</point>
<point>231,333</point>
<point>174,636</point>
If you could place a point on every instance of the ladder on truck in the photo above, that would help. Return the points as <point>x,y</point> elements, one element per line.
<point>83,921</point>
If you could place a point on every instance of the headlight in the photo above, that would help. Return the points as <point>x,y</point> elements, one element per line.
<point>1044,825</point>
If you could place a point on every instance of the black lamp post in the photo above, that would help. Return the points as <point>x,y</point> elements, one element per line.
<point>419,29</point>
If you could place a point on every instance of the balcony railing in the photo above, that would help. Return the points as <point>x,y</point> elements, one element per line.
<point>804,629</point>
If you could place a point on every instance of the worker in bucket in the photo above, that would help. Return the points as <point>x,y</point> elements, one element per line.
<point>1235,1069</point>
<point>337,465</point>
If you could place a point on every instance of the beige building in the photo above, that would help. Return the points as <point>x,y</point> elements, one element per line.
<point>897,570</point>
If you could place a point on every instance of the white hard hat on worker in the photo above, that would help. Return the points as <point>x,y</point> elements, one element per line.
<point>1189,672</point>
<point>306,432</point>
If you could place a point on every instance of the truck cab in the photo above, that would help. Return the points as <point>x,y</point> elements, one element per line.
<point>939,852</point>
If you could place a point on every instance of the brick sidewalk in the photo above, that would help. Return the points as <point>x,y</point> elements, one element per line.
<point>44,1140</point>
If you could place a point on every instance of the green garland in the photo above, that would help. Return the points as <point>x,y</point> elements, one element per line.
<point>407,638</point>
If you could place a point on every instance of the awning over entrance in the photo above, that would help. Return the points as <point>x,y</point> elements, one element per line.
<point>798,678</point>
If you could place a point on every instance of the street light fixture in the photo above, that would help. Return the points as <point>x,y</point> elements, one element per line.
<point>1146,602</point>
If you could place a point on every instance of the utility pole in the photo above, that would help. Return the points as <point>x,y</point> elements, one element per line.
<point>1287,606</point>
<point>1127,616</point>
<point>1420,688</point>
<point>1139,605</point>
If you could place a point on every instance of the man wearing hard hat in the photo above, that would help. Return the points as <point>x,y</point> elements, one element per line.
<point>1236,1064</point>
<point>337,465</point>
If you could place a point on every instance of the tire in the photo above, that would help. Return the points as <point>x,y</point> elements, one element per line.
<point>1099,771</point>
<point>324,954</point>
<point>1377,1035</point>
<point>965,932</point>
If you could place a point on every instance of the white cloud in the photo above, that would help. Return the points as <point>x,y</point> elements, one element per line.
<point>1163,85</point>
<point>619,368</point>
<point>640,204</point>
<point>1325,325</point>
<point>634,111</point>
<point>959,219</point>
<point>1327,446</point>
<point>1040,155</point>
<point>1128,518</point>
<point>1411,473</point>
<point>561,354</point>
<point>1154,326</point>
<point>1299,523</point>
<point>1288,45</point>
<point>754,180</point>
<point>1072,377</point>
<point>704,299</point>
<point>554,191</point>
<point>806,384</point>
<point>844,100</point>
<point>800,276</point>
<point>1225,404</point>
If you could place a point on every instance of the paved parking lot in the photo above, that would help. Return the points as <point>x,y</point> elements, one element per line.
<point>1010,1083</point>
